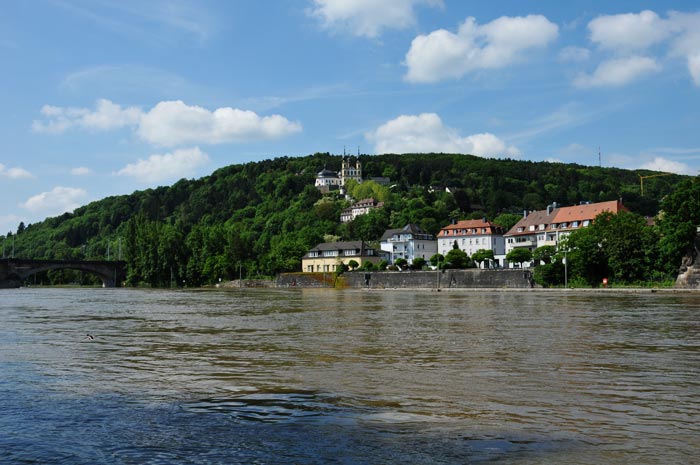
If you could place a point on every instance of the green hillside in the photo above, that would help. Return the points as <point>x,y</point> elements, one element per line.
<point>258,219</point>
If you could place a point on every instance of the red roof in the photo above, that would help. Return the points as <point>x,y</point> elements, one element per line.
<point>470,228</point>
<point>556,218</point>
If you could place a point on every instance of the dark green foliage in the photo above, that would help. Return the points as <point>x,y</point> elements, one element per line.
<point>459,259</point>
<point>482,255</point>
<point>544,254</point>
<point>259,218</point>
<point>620,247</point>
<point>418,263</point>
<point>519,255</point>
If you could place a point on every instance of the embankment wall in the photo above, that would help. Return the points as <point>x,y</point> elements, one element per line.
<point>412,279</point>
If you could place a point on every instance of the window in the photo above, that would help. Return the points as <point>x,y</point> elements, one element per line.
<point>586,222</point>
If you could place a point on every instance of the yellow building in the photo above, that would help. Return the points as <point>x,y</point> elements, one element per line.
<point>327,256</point>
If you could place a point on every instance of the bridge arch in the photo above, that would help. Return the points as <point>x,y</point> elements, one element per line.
<point>13,271</point>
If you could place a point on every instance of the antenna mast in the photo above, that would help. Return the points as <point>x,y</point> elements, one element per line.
<point>600,164</point>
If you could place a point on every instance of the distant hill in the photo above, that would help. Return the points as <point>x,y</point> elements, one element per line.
<point>259,218</point>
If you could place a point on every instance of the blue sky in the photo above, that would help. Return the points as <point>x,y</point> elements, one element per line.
<point>105,97</point>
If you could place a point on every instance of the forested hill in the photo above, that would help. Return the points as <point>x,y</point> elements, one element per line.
<point>259,218</point>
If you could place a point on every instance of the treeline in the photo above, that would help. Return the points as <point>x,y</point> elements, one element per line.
<point>259,218</point>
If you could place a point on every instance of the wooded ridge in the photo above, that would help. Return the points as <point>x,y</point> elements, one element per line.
<point>259,218</point>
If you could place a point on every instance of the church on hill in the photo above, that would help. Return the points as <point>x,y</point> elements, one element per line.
<point>327,180</point>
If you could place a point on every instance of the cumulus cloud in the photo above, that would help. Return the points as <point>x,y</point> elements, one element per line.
<point>367,18</point>
<point>14,173</point>
<point>444,55</point>
<point>627,35</point>
<point>427,133</point>
<point>170,123</point>
<point>694,67</point>
<point>105,116</point>
<point>59,200</point>
<point>668,166</point>
<point>630,31</point>
<point>618,71</point>
<point>175,123</point>
<point>169,166</point>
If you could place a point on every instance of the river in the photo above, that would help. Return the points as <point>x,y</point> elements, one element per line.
<point>308,376</point>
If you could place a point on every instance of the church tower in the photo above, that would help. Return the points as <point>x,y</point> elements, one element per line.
<point>350,170</point>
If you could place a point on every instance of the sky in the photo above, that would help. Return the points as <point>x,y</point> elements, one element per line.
<point>105,97</point>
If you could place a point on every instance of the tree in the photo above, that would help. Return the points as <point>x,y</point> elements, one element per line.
<point>507,220</point>
<point>401,263</point>
<point>457,259</point>
<point>482,255</point>
<point>437,260</point>
<point>519,255</point>
<point>353,264</point>
<point>544,254</point>
<point>678,223</point>
<point>418,263</point>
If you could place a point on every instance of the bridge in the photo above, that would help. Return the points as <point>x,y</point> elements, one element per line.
<point>15,270</point>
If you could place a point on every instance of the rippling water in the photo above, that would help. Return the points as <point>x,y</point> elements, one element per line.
<point>346,377</point>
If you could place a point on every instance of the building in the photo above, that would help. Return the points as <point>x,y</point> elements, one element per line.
<point>327,180</point>
<point>409,242</point>
<point>326,257</point>
<point>359,208</point>
<point>350,171</point>
<point>548,227</point>
<point>473,235</point>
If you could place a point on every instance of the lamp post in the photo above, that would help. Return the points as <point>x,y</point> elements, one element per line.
<point>566,271</point>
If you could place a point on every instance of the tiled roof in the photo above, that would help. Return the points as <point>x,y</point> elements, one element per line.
<point>586,211</point>
<point>561,215</point>
<point>470,228</point>
<point>409,228</point>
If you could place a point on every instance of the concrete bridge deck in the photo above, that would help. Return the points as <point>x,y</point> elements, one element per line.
<point>15,270</point>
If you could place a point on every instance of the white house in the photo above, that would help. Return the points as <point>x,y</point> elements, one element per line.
<point>409,242</point>
<point>359,208</point>
<point>548,227</point>
<point>473,235</point>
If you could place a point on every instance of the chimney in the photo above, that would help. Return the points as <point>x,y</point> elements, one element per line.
<point>524,213</point>
<point>549,210</point>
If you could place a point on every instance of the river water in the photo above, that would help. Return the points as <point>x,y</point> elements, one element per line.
<point>348,377</point>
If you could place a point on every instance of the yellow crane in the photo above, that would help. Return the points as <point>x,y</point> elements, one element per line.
<point>642,178</point>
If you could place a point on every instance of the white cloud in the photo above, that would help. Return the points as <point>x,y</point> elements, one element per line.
<point>618,71</point>
<point>174,123</point>
<point>574,54</point>
<point>626,35</point>
<point>367,18</point>
<point>427,133</point>
<point>170,123</point>
<point>59,200</point>
<point>106,116</point>
<point>629,32</point>
<point>668,166</point>
<point>15,173</point>
<point>80,171</point>
<point>169,166</point>
<point>444,55</point>
<point>694,67</point>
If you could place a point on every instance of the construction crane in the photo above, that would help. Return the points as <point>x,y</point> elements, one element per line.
<point>642,178</point>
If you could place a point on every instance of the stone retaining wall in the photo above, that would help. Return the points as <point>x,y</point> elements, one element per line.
<point>412,279</point>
